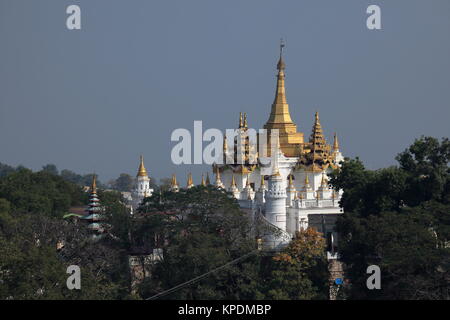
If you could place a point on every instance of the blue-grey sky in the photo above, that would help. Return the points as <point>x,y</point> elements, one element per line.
<point>95,99</point>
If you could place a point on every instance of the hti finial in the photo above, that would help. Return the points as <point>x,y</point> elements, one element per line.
<point>282,45</point>
<point>281,65</point>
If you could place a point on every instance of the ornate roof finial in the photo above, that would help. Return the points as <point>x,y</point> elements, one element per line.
<point>208,182</point>
<point>233,181</point>
<point>241,120</point>
<point>281,65</point>
<point>142,172</point>
<point>233,187</point>
<point>306,187</point>
<point>324,182</point>
<point>219,183</point>
<point>94,184</point>
<point>174,183</point>
<point>335,143</point>
<point>319,147</point>
<point>245,120</point>
<point>202,183</point>
<point>190,182</point>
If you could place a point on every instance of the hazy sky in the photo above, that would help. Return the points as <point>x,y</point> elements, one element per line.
<point>95,99</point>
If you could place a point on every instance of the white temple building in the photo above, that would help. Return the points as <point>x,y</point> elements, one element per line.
<point>287,189</point>
<point>141,188</point>
<point>293,191</point>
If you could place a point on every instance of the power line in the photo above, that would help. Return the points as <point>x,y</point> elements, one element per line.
<point>194,280</point>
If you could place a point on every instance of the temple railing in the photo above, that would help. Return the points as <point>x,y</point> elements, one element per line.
<point>277,239</point>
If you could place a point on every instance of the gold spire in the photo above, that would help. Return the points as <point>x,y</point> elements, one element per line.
<point>280,108</point>
<point>324,181</point>
<point>190,183</point>
<point>174,183</point>
<point>241,120</point>
<point>233,181</point>
<point>291,187</point>
<point>320,150</point>
<point>245,120</point>
<point>218,181</point>
<point>208,182</point>
<point>203,181</point>
<point>280,117</point>
<point>306,187</point>
<point>317,133</point>
<point>142,172</point>
<point>335,143</point>
<point>217,175</point>
<point>94,183</point>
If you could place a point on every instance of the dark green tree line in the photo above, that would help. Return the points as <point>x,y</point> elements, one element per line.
<point>398,218</point>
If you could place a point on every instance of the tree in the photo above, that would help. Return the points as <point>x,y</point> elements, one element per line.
<point>398,218</point>
<point>300,271</point>
<point>40,192</point>
<point>81,180</point>
<point>426,162</point>
<point>50,168</point>
<point>32,266</point>
<point>198,229</point>
<point>5,169</point>
<point>202,228</point>
<point>165,183</point>
<point>124,183</point>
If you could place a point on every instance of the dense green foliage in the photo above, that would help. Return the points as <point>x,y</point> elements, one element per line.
<point>300,272</point>
<point>399,219</point>
<point>123,183</point>
<point>5,169</point>
<point>199,229</point>
<point>203,228</point>
<point>32,266</point>
<point>40,192</point>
